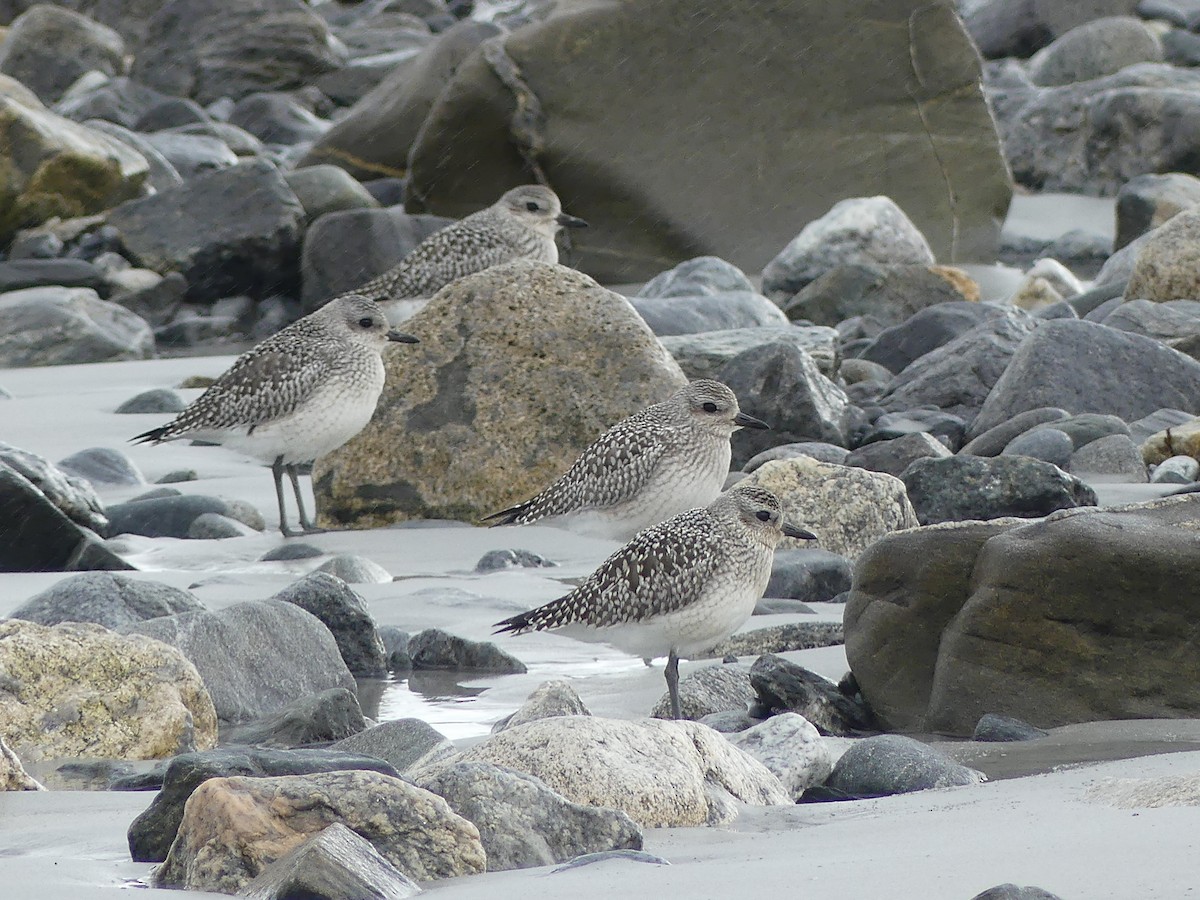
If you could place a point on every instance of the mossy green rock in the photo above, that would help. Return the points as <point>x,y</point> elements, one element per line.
<point>519,368</point>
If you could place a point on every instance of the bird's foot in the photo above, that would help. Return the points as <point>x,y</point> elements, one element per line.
<point>309,528</point>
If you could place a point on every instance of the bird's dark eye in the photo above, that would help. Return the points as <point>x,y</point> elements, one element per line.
<point>532,207</point>
<point>366,322</point>
<point>763,515</point>
<point>709,407</point>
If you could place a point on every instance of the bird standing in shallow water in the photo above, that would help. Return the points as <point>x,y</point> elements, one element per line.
<point>667,458</point>
<point>677,588</point>
<point>301,393</point>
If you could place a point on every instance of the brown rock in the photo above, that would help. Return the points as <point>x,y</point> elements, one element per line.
<point>1168,265</point>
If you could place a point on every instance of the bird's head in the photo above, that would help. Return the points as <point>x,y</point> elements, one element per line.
<point>712,406</point>
<point>364,322</point>
<point>538,207</point>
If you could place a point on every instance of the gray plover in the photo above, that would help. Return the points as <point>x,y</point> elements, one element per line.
<point>677,588</point>
<point>667,458</point>
<point>520,225</point>
<point>299,394</point>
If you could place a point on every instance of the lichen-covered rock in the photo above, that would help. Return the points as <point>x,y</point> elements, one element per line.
<point>519,368</point>
<point>1165,267</point>
<point>551,698</point>
<point>1179,440</point>
<point>847,508</point>
<point>659,773</point>
<point>80,690</point>
<point>233,828</point>
<point>709,690</point>
<point>13,776</point>
<point>791,748</point>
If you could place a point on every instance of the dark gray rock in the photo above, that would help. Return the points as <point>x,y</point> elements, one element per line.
<point>499,560</point>
<point>345,614</point>
<point>239,140</point>
<point>331,715</point>
<point>782,686</point>
<point>973,487</point>
<point>211,526</point>
<point>156,400</point>
<point>883,295</point>
<point>172,516</point>
<point>1147,201</point>
<point>395,645</point>
<point>1087,427</point>
<point>926,330</point>
<point>16,274</point>
<point>522,822</point>
<point>895,455</point>
<point>704,354</point>
<point>818,450</point>
<point>551,698</point>
<point>48,326</point>
<point>946,427</point>
<point>704,275</point>
<point>403,743</point>
<point>1176,470</point>
<point>1010,891</point>
<point>171,112</point>
<point>325,189</point>
<point>34,244</point>
<point>105,599</point>
<point>713,689</point>
<point>191,155</point>
<point>811,576</point>
<point>178,475</point>
<point>354,569</point>
<point>228,648</point>
<point>291,550</point>
<point>232,231</point>
<point>276,118</point>
<point>159,303</point>
<point>1095,49</point>
<point>47,48</point>
<point>76,499</point>
<point>994,728</point>
<point>1047,444</point>
<point>1175,323</point>
<point>673,314</point>
<point>435,649</point>
<point>1157,421</point>
<point>777,639</point>
<point>730,721</point>
<point>893,764</point>
<point>120,100</point>
<point>1088,368</point>
<point>1115,456</point>
<point>993,441</point>
<point>103,466</point>
<point>151,833</point>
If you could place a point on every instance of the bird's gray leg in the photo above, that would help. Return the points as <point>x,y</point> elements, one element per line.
<point>672,674</point>
<point>305,523</point>
<point>277,471</point>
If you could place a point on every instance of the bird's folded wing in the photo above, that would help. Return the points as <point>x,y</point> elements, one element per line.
<point>437,261</point>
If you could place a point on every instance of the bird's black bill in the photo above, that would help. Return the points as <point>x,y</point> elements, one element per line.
<point>799,533</point>
<point>570,221</point>
<point>401,338</point>
<point>750,422</point>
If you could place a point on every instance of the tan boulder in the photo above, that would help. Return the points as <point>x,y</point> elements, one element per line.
<point>13,776</point>
<point>1167,267</point>
<point>1180,440</point>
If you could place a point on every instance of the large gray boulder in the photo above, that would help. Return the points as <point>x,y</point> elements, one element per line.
<point>47,48</point>
<point>1098,48</point>
<point>55,326</point>
<point>105,599</point>
<point>704,354</point>
<point>1019,27</point>
<point>346,616</point>
<point>519,368</point>
<point>892,83</point>
<point>894,764</point>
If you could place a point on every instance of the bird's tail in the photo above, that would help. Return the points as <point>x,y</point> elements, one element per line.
<point>518,624</point>
<point>509,516</point>
<point>153,436</point>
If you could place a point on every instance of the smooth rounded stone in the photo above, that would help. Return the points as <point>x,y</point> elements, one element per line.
<point>661,774</point>
<point>781,385</point>
<point>151,834</point>
<point>1095,49</point>
<point>818,450</point>
<point>47,48</point>
<point>856,371</point>
<point>959,376</point>
<point>437,649</point>
<point>709,690</point>
<point>1175,323</point>
<point>1010,891</point>
<point>211,526</point>
<point>1003,28</point>
<point>16,274</point>
<point>674,314</point>
<point>994,728</point>
<point>233,828</point>
<point>64,683</point>
<point>334,863</point>
<point>524,823</point>
<point>172,516</point>
<point>1048,595</point>
<point>13,776</point>
<point>894,456</point>
<point>406,744</point>
<point>813,576</point>
<point>33,244</point>
<point>55,167</point>
<point>345,614</point>
<point>228,645</point>
<point>291,550</point>
<point>773,606</point>
<point>702,276</point>
<point>1164,266</point>
<point>178,476</point>
<point>520,366</point>
<point>729,721</point>
<point>1176,470</point>
<point>232,231</point>
<point>847,508</point>
<point>993,441</point>
<point>791,748</point>
<point>778,639</point>
<point>193,331</point>
<point>192,154</point>
<point>158,304</point>
<point>705,354</point>
<point>889,764</point>
<point>118,100</point>
<point>1116,456</point>
<point>1089,368</point>
<point>1147,201</point>
<point>973,487</point>
<point>103,598</point>
<point>947,427</point>
<point>782,686</point>
<point>500,560</point>
<point>324,189</point>
<point>156,400</point>
<point>857,231</point>
<point>276,118</point>
<point>354,569</point>
<point>103,466</point>
<point>239,140</point>
<point>1087,427</point>
<point>1047,444</point>
<point>907,587</point>
<point>883,295</point>
<point>171,112</point>
<point>50,326</point>
<point>331,715</point>
<point>551,698</point>
<point>395,644</point>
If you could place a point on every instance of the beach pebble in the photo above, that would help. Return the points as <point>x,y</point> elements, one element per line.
<point>993,441</point>
<point>275,118</point>
<point>47,48</point>
<point>1087,427</point>
<point>159,303</point>
<point>157,400</point>
<point>709,690</point>
<point>104,598</point>
<point>524,823</point>
<point>812,576</point>
<point>778,639</point>
<point>1010,891</point>
<point>325,188</point>
<point>153,831</point>
<point>856,371</point>
<point>1176,470</point>
<point>230,827</point>
<point>894,456</point>
<point>549,699</point>
<point>191,155</point>
<point>290,550</point>
<point>893,764</point>
<point>51,326</point>
<point>172,516</point>
<point>102,466</point>
<point>354,569</point>
<point>1115,455</point>
<point>335,863</point>
<point>500,560</point>
<point>436,649</point>
<point>211,526</point>
<point>318,718</point>
<point>34,243</point>
<point>1047,444</point>
<point>1147,201</point>
<point>818,450</point>
<point>407,744</point>
<point>791,748</point>
<point>345,614</point>
<point>704,354</point>
<point>995,728</point>
<point>674,315</point>
<point>1095,49</point>
<point>72,496</point>
<point>782,686</point>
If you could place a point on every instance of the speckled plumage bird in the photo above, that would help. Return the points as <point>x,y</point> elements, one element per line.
<point>677,588</point>
<point>299,394</point>
<point>520,225</point>
<point>667,458</point>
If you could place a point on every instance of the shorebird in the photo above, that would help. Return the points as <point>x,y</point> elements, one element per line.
<point>677,588</point>
<point>667,458</point>
<point>299,394</point>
